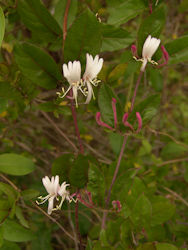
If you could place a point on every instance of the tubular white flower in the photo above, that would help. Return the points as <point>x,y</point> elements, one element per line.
<point>149,48</point>
<point>52,187</point>
<point>64,194</point>
<point>93,67</point>
<point>72,72</point>
<point>54,190</point>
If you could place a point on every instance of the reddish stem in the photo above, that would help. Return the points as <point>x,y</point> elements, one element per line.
<point>65,20</point>
<point>77,225</point>
<point>150,6</point>
<point>135,90</point>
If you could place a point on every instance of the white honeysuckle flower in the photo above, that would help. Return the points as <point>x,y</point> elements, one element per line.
<point>64,194</point>
<point>72,72</point>
<point>52,187</point>
<point>93,67</point>
<point>149,48</point>
<point>54,190</point>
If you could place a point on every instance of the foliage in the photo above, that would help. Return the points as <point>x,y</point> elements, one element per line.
<point>38,136</point>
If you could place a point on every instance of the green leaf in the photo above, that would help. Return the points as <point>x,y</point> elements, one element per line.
<point>172,149</point>
<point>96,184</point>
<point>134,188</point>
<point>116,141</point>
<point>1,237</point>
<point>178,50</point>
<point>146,246</point>
<point>84,36</point>
<point>115,38</point>
<point>10,246</point>
<point>62,165</point>
<point>152,25</point>
<point>5,208</point>
<point>165,246</point>
<point>37,18</point>
<point>60,11</point>
<point>15,164</point>
<point>105,105</point>
<point>162,210</point>
<point>155,79</point>
<point>12,231</point>
<point>147,108</point>
<point>125,11</point>
<point>156,233</point>
<point>79,172</point>
<point>2,25</point>
<point>37,65</point>
<point>8,191</point>
<point>29,194</point>
<point>3,104</point>
<point>141,212</point>
<point>20,216</point>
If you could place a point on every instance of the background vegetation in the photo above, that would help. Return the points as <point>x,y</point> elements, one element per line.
<point>37,131</point>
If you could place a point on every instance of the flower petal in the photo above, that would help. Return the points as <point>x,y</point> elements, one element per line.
<point>50,204</point>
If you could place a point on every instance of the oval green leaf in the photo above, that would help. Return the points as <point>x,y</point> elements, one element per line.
<point>37,65</point>
<point>13,231</point>
<point>15,164</point>
<point>2,25</point>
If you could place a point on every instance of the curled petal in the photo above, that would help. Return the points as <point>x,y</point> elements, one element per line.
<point>144,64</point>
<point>90,92</point>
<point>149,48</point>
<point>139,119</point>
<point>93,67</point>
<point>50,204</point>
<point>100,123</point>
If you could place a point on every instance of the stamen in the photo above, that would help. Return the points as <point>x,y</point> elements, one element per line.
<point>43,199</point>
<point>137,59</point>
<point>152,62</point>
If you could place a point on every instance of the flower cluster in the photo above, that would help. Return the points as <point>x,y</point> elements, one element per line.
<point>72,72</point>
<point>54,192</point>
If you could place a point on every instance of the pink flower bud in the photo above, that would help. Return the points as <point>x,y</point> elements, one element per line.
<point>100,123</point>
<point>125,117</point>
<point>134,50</point>
<point>126,123</point>
<point>117,204</point>
<point>139,119</point>
<point>165,54</point>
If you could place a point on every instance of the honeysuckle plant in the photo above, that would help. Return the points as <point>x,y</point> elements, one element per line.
<point>114,171</point>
